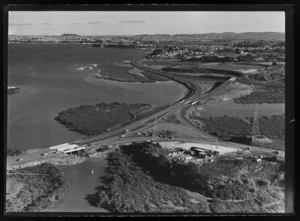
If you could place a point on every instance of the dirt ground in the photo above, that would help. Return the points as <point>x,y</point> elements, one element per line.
<point>188,145</point>
<point>232,91</point>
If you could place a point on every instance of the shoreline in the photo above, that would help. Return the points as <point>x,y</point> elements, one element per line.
<point>95,74</point>
<point>37,198</point>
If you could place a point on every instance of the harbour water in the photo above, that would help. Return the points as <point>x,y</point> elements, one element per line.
<point>50,82</point>
<point>85,178</point>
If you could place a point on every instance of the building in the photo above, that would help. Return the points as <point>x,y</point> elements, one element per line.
<point>68,148</point>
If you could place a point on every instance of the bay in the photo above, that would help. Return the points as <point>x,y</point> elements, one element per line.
<point>50,82</point>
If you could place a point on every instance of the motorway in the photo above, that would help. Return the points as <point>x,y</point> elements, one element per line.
<point>113,137</point>
<point>36,156</point>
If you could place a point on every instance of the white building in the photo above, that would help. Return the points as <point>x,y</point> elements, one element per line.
<point>67,148</point>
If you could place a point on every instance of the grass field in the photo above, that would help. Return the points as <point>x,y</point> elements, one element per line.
<point>262,95</point>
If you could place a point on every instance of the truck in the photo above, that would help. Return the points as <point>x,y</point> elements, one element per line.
<point>194,102</point>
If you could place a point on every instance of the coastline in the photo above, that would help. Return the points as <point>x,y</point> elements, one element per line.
<point>62,164</point>
<point>29,195</point>
<point>83,185</point>
<point>95,73</point>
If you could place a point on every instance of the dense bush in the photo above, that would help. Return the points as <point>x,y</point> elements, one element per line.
<point>220,179</point>
<point>229,127</point>
<point>266,96</point>
<point>95,119</point>
<point>273,126</point>
<point>41,192</point>
<point>226,127</point>
<point>128,189</point>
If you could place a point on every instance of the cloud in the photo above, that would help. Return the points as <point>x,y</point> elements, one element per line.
<point>19,24</point>
<point>45,23</point>
<point>74,23</point>
<point>133,21</point>
<point>94,22</point>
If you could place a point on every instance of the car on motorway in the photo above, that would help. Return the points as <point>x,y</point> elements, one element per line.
<point>19,159</point>
<point>45,154</point>
<point>276,152</point>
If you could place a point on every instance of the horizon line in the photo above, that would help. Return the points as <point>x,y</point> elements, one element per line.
<point>150,34</point>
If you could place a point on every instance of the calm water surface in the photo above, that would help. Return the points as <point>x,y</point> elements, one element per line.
<point>51,82</point>
<point>80,196</point>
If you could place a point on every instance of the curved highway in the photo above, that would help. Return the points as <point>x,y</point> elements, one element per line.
<point>113,137</point>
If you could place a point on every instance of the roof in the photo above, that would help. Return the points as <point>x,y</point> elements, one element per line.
<point>63,147</point>
<point>74,149</point>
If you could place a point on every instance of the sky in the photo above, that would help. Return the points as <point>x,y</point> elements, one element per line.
<point>141,22</point>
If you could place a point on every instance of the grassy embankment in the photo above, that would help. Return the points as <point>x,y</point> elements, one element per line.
<point>205,72</point>
<point>138,171</point>
<point>235,128</point>
<point>272,77</point>
<point>95,119</point>
<point>43,187</point>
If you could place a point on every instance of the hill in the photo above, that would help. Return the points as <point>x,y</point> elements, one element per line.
<point>218,36</point>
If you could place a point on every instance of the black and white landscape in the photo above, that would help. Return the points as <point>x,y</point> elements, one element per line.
<point>146,112</point>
